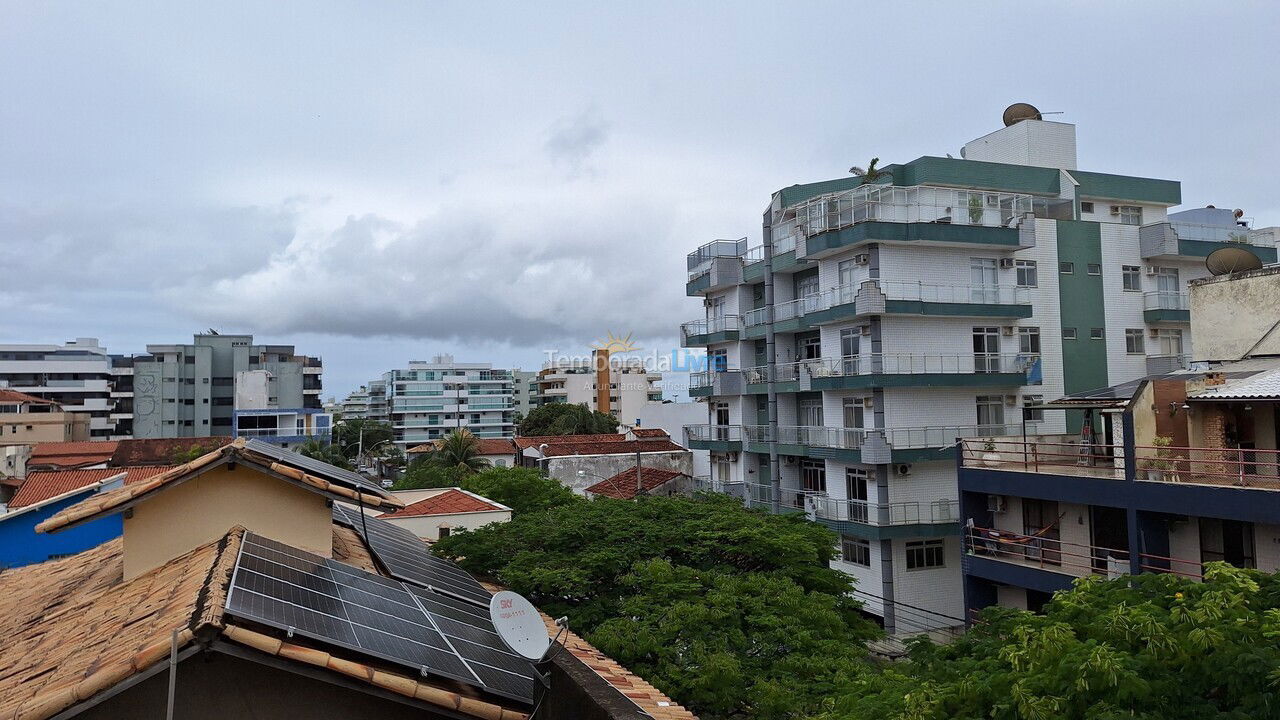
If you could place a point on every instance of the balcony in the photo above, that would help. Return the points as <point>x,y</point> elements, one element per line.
<point>1180,240</point>
<point>910,370</point>
<point>1166,307</point>
<point>706,483</point>
<point>861,518</point>
<point>715,383</point>
<point>720,438</point>
<point>871,213</point>
<point>722,328</point>
<point>715,266</point>
<point>1162,364</point>
<point>1039,560</point>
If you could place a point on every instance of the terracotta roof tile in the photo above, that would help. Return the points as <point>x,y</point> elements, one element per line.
<point>536,440</point>
<point>70,454</point>
<point>161,451</point>
<point>611,448</point>
<point>646,433</point>
<point>446,503</point>
<point>13,396</point>
<point>623,485</point>
<point>43,484</point>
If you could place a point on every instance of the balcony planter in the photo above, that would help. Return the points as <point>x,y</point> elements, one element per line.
<point>990,457</point>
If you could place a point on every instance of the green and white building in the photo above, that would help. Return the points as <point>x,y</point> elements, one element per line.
<point>876,321</point>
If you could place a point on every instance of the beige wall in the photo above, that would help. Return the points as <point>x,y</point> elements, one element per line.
<point>428,526</point>
<point>1231,313</point>
<point>31,428</point>
<point>203,509</point>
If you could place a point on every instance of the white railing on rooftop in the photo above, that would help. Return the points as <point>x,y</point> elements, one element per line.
<point>1160,300</point>
<point>1221,233</point>
<point>714,249</point>
<point>919,203</point>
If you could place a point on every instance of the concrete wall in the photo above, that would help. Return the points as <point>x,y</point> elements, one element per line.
<point>203,509</point>
<point>428,526</point>
<point>24,428</point>
<point>672,417</point>
<point>1233,313</point>
<point>565,469</point>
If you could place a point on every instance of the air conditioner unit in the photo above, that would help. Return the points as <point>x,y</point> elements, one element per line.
<point>862,259</point>
<point>1006,330</point>
<point>1152,270</point>
<point>902,469</point>
<point>1011,400</point>
<point>1006,263</point>
<point>864,329</point>
<point>995,503</point>
<point>1115,209</point>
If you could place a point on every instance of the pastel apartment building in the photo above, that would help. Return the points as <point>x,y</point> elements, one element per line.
<point>879,319</point>
<point>79,376</point>
<point>631,385</point>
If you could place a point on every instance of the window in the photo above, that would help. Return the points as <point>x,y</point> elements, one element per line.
<point>810,348</point>
<point>1066,268</point>
<point>990,410</point>
<point>1128,214</point>
<point>1068,333</point>
<point>1029,340</point>
<point>444,532</point>
<point>1132,276</point>
<point>1031,413</point>
<point>1026,270</point>
<point>1170,342</point>
<point>854,415</point>
<point>813,475</point>
<point>1095,269</point>
<point>810,412</point>
<point>922,554</point>
<point>986,349</point>
<point>855,550</point>
<point>1096,333</point>
<point>1086,207</point>
<point>1133,342</point>
<point>857,491</point>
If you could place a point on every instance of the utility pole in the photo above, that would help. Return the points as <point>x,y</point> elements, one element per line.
<point>639,477</point>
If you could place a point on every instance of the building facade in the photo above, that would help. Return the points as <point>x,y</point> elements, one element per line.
<point>191,390</point>
<point>881,319</point>
<point>526,391</point>
<point>1180,469</point>
<point>79,375</point>
<point>27,420</point>
<point>631,386</point>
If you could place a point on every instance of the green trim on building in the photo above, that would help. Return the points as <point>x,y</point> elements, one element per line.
<point>1127,187</point>
<point>799,193</point>
<point>890,532</point>
<point>716,445</point>
<point>763,388</point>
<point>1083,307</point>
<point>912,232</point>
<point>710,338</point>
<point>698,285</point>
<point>916,307</point>
<point>882,380</point>
<point>701,391</point>
<point>1202,248</point>
<point>753,272</point>
<point>977,174</point>
<point>787,263</point>
<point>1167,316</point>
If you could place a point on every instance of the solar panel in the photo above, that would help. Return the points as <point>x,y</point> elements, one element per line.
<point>406,558</point>
<point>328,601</point>
<point>316,467</point>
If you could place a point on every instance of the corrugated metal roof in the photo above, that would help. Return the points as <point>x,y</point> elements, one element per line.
<point>1262,386</point>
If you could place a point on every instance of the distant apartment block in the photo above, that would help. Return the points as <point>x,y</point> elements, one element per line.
<point>190,390</point>
<point>428,400</point>
<point>27,420</point>
<point>526,390</point>
<point>630,386</point>
<point>79,376</point>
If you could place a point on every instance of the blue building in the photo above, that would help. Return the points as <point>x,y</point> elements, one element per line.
<point>21,545</point>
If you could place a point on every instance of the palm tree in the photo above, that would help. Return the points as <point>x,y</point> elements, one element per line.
<point>324,452</point>
<point>460,449</point>
<point>871,174</point>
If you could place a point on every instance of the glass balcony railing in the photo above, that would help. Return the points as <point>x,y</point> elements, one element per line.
<point>911,364</point>
<point>713,433</point>
<point>720,323</point>
<point>699,261</point>
<point>1221,233</point>
<point>1160,300</point>
<point>893,290</point>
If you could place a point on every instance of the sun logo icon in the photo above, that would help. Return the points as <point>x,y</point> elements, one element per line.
<point>614,344</point>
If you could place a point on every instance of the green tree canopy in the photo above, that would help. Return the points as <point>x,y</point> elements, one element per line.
<point>524,490</point>
<point>1150,647</point>
<point>459,449</point>
<point>733,612</point>
<point>567,419</point>
<point>324,452</point>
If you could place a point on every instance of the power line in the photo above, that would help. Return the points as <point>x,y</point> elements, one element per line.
<point>922,612</point>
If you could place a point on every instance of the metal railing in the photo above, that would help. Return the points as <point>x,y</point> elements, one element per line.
<point>699,260</point>
<point>918,203</point>
<point>1220,233</point>
<point>905,438</point>
<point>809,435</point>
<point>1060,456</point>
<point>713,433</point>
<point>918,363</point>
<point>931,292</point>
<point>1162,300</point>
<point>1041,550</point>
<point>1232,467</point>
<point>720,323</point>
<point>883,514</point>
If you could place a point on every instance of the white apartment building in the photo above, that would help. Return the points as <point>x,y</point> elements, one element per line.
<point>631,386</point>
<point>78,375</point>
<point>429,400</point>
<point>879,320</point>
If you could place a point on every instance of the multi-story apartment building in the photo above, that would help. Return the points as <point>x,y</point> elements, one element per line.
<point>631,385</point>
<point>882,318</point>
<point>526,390</point>
<point>27,420</point>
<point>429,400</point>
<point>1178,470</point>
<point>79,376</point>
<point>190,390</point>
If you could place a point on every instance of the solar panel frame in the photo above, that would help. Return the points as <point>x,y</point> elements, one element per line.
<point>325,600</point>
<point>302,462</point>
<point>406,558</point>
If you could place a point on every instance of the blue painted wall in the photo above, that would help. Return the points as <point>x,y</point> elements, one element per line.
<point>20,544</point>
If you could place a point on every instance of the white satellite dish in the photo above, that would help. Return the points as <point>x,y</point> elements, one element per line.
<point>520,625</point>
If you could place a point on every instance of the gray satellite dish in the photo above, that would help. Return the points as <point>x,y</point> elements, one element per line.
<point>1227,260</point>
<point>520,625</point>
<point>1018,112</point>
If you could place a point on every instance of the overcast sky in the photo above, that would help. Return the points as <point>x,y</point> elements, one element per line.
<point>377,182</point>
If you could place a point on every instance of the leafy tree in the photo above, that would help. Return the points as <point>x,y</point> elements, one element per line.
<point>1150,647</point>
<point>425,474</point>
<point>567,419</point>
<point>733,612</point>
<point>324,452</point>
<point>347,435</point>
<point>524,490</point>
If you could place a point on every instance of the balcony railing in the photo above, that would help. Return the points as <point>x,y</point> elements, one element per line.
<point>977,294</point>
<point>907,438</point>
<point>916,363</point>
<point>1038,549</point>
<point>721,323</point>
<point>808,435</point>
<point>1160,300</point>
<point>700,260</point>
<point>1221,233</point>
<point>713,433</point>
<point>919,203</point>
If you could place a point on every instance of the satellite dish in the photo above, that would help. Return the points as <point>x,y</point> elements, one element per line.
<point>1018,112</point>
<point>1227,260</point>
<point>520,625</point>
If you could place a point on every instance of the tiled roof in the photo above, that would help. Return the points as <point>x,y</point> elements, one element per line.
<point>161,451</point>
<point>43,484</point>
<point>446,503</point>
<point>1262,386</point>
<point>70,454</point>
<point>623,485</point>
<point>536,440</point>
<point>611,448</point>
<point>645,433</point>
<point>13,396</point>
